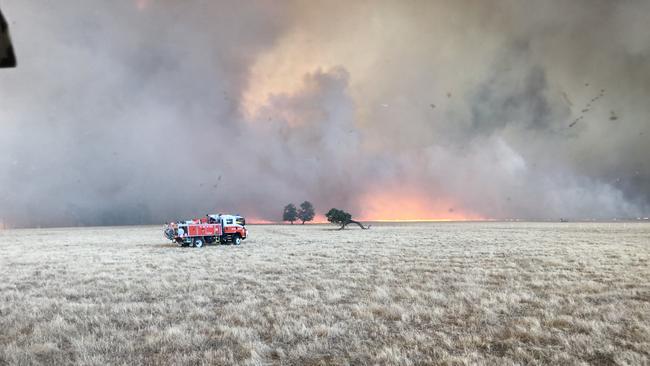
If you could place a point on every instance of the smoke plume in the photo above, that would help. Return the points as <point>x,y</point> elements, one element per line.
<point>144,111</point>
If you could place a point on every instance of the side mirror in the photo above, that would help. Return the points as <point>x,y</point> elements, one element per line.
<point>7,56</point>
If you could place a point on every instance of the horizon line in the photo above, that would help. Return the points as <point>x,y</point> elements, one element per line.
<point>252,222</point>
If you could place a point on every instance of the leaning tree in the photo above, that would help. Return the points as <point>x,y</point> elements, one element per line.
<point>340,217</point>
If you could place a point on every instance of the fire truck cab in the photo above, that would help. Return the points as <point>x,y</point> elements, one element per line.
<point>223,229</point>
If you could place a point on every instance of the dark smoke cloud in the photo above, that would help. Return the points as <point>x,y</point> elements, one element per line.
<point>122,115</point>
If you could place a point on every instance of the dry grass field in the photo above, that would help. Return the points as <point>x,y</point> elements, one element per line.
<point>398,294</point>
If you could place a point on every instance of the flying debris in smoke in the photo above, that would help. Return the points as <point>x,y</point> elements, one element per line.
<point>587,107</point>
<point>575,121</point>
<point>216,185</point>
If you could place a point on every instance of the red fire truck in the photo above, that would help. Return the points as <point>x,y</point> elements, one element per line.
<point>218,228</point>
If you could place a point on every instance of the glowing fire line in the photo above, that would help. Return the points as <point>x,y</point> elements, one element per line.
<point>403,205</point>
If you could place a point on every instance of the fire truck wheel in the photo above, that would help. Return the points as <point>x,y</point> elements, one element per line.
<point>198,243</point>
<point>236,239</point>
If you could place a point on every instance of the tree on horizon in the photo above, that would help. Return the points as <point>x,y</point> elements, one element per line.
<point>306,212</point>
<point>340,217</point>
<point>290,213</point>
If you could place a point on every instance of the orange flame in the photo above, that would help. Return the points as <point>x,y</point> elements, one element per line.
<point>405,205</point>
<point>257,221</point>
<point>318,219</point>
<point>142,4</point>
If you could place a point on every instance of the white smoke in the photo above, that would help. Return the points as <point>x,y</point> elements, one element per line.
<point>141,112</point>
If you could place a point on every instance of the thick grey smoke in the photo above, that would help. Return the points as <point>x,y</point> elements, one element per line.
<point>145,111</point>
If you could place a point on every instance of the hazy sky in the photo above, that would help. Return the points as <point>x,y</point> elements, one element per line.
<point>143,111</point>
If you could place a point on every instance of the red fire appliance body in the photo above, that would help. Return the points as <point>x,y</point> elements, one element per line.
<point>219,228</point>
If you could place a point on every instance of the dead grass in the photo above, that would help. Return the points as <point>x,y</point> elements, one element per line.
<point>486,293</point>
